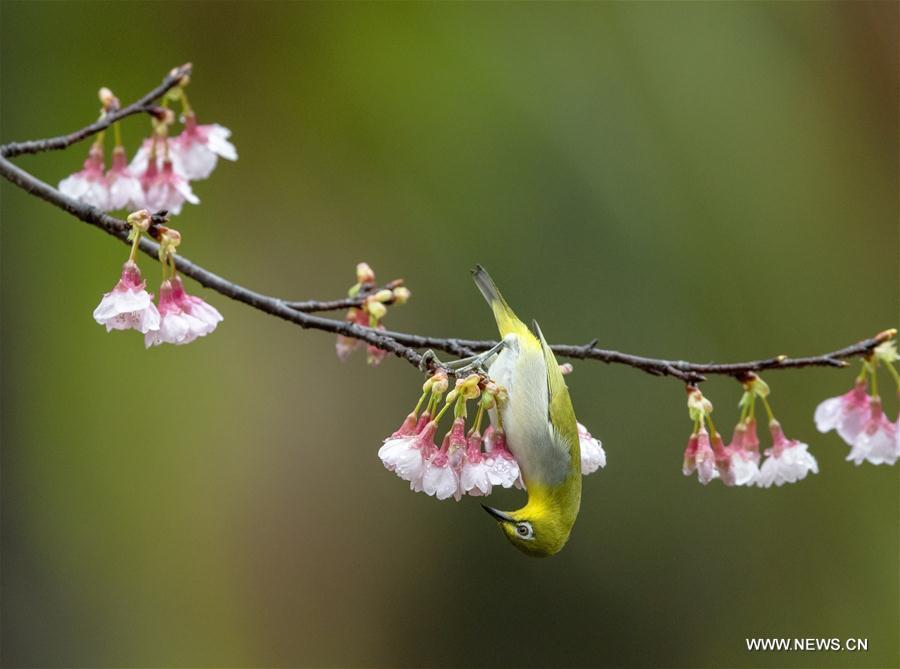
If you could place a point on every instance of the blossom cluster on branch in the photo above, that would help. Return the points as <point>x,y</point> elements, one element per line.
<point>857,416</point>
<point>178,318</point>
<point>467,461</point>
<point>159,176</point>
<point>370,312</point>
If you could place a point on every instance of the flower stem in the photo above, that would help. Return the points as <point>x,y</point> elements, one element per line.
<point>478,418</point>
<point>135,243</point>
<point>437,419</point>
<point>768,409</point>
<point>712,427</point>
<point>745,410</point>
<point>459,408</point>
<point>419,404</point>
<point>874,362</point>
<point>894,373</point>
<point>117,130</point>
<point>185,105</point>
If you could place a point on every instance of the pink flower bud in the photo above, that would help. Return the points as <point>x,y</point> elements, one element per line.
<point>140,219</point>
<point>401,295</point>
<point>364,273</point>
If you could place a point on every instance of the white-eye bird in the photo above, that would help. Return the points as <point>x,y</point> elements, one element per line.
<point>541,431</point>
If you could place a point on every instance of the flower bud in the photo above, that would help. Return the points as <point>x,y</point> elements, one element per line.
<point>468,387</point>
<point>439,383</point>
<point>140,219</point>
<point>566,368</point>
<point>698,405</point>
<point>169,236</point>
<point>107,99</point>
<point>383,296</point>
<point>375,308</point>
<point>169,240</point>
<point>886,352</point>
<point>163,118</point>
<point>757,386</point>
<point>402,295</point>
<point>364,273</point>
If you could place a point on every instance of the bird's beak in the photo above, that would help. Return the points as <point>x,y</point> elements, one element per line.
<point>498,515</point>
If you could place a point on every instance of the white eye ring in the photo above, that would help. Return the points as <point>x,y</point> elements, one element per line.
<point>524,531</point>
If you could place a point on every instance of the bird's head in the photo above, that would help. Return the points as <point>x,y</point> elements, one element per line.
<point>540,528</point>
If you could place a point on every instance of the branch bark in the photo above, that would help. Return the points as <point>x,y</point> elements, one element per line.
<point>402,344</point>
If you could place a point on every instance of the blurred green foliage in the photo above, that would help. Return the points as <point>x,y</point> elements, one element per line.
<point>709,181</point>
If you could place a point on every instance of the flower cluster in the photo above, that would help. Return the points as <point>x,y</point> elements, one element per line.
<point>466,462</point>
<point>738,463</point>
<point>178,318</point>
<point>858,416</point>
<point>371,312</point>
<point>159,176</point>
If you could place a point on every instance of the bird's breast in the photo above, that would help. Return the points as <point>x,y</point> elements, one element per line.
<point>522,371</point>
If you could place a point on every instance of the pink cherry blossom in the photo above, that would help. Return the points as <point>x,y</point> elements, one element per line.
<point>409,459</point>
<point>689,461</point>
<point>503,469</point>
<point>440,478</point>
<point>705,458</point>
<point>197,307</point>
<point>409,427</point>
<point>593,456</point>
<point>141,159</point>
<point>183,317</point>
<point>197,149</point>
<point>395,449</point>
<point>738,463</point>
<point>474,477</point>
<point>124,187</point>
<point>128,306</point>
<point>750,442</point>
<point>846,413</point>
<point>89,185</point>
<point>699,457</point>
<point>166,189</point>
<point>788,461</point>
<point>877,441</point>
<point>344,346</point>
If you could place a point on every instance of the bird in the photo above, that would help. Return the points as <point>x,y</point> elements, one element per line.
<point>541,431</point>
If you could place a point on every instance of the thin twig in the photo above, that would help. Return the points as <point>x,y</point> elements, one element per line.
<point>403,345</point>
<point>311,306</point>
<point>142,106</point>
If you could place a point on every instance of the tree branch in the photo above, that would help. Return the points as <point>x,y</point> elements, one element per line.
<point>403,345</point>
<point>142,106</point>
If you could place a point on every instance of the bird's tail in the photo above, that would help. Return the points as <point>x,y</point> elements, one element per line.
<point>507,321</point>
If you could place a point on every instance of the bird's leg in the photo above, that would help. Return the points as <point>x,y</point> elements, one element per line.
<point>462,365</point>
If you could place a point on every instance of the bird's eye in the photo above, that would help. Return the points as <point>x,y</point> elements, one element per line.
<point>524,530</point>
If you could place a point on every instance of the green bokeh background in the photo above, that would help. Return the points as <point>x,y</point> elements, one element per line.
<point>708,181</point>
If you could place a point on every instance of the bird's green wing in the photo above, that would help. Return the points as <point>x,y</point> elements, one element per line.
<point>561,414</point>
